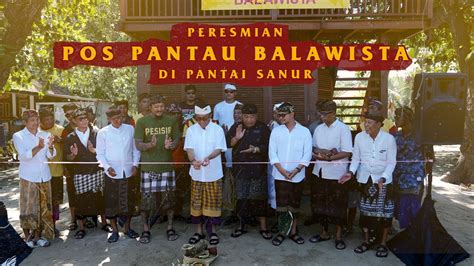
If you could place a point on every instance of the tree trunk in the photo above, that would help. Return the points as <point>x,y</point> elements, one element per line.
<point>463,171</point>
<point>20,15</point>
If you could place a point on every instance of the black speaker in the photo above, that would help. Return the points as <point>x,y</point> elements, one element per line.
<point>440,104</point>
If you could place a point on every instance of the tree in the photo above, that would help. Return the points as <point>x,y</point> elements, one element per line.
<point>450,46</point>
<point>17,19</point>
<point>61,21</point>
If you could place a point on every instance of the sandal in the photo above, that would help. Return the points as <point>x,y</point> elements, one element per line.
<point>114,237</point>
<point>266,234</point>
<point>297,239</point>
<point>107,228</point>
<point>238,232</point>
<point>131,233</point>
<point>195,238</point>
<point>362,248</point>
<point>319,238</point>
<point>80,234</point>
<point>340,244</point>
<point>145,237</point>
<point>43,242</point>
<point>278,240</point>
<point>214,239</point>
<point>72,226</point>
<point>171,235</point>
<point>382,251</point>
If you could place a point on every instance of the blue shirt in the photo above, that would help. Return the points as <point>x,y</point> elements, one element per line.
<point>408,176</point>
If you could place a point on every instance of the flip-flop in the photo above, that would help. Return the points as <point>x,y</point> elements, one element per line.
<point>278,240</point>
<point>297,239</point>
<point>131,233</point>
<point>213,239</point>
<point>80,234</point>
<point>145,237</point>
<point>171,235</point>
<point>340,244</point>
<point>195,238</point>
<point>362,248</point>
<point>266,234</point>
<point>319,238</point>
<point>382,251</point>
<point>238,233</point>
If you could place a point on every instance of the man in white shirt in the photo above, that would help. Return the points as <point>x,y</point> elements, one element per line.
<point>204,143</point>
<point>332,147</point>
<point>374,159</point>
<point>34,148</point>
<point>117,154</point>
<point>289,152</point>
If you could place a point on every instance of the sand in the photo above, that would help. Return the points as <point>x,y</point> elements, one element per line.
<point>454,206</point>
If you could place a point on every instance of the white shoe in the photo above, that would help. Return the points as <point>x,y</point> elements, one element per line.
<point>31,244</point>
<point>43,242</point>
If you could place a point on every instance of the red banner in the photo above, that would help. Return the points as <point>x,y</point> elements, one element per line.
<point>249,55</point>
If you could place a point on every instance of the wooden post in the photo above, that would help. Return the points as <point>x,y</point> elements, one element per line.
<point>310,99</point>
<point>14,113</point>
<point>267,104</point>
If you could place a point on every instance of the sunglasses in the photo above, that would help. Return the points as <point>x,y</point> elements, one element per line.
<point>325,113</point>
<point>229,91</point>
<point>201,118</point>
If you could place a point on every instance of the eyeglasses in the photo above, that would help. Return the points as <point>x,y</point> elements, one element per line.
<point>282,114</point>
<point>229,91</point>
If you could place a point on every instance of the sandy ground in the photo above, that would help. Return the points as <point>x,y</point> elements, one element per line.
<point>454,206</point>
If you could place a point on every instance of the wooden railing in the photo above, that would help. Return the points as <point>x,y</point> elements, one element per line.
<point>190,10</point>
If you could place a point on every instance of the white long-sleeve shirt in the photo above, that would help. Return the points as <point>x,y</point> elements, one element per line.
<point>336,136</point>
<point>33,168</point>
<point>290,149</point>
<point>374,157</point>
<point>116,148</point>
<point>203,142</point>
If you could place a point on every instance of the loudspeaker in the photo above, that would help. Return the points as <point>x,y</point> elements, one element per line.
<point>440,104</point>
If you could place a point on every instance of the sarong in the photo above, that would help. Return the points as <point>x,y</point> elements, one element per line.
<point>36,208</point>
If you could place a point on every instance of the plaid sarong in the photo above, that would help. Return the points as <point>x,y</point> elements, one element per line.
<point>157,182</point>
<point>206,198</point>
<point>89,182</point>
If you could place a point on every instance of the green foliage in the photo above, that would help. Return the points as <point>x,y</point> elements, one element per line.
<point>83,21</point>
<point>434,49</point>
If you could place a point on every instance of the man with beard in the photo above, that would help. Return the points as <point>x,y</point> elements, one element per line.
<point>156,135</point>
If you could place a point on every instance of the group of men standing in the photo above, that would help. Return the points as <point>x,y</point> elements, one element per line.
<point>129,168</point>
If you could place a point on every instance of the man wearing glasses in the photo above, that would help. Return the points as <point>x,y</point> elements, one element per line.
<point>204,143</point>
<point>79,148</point>
<point>289,152</point>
